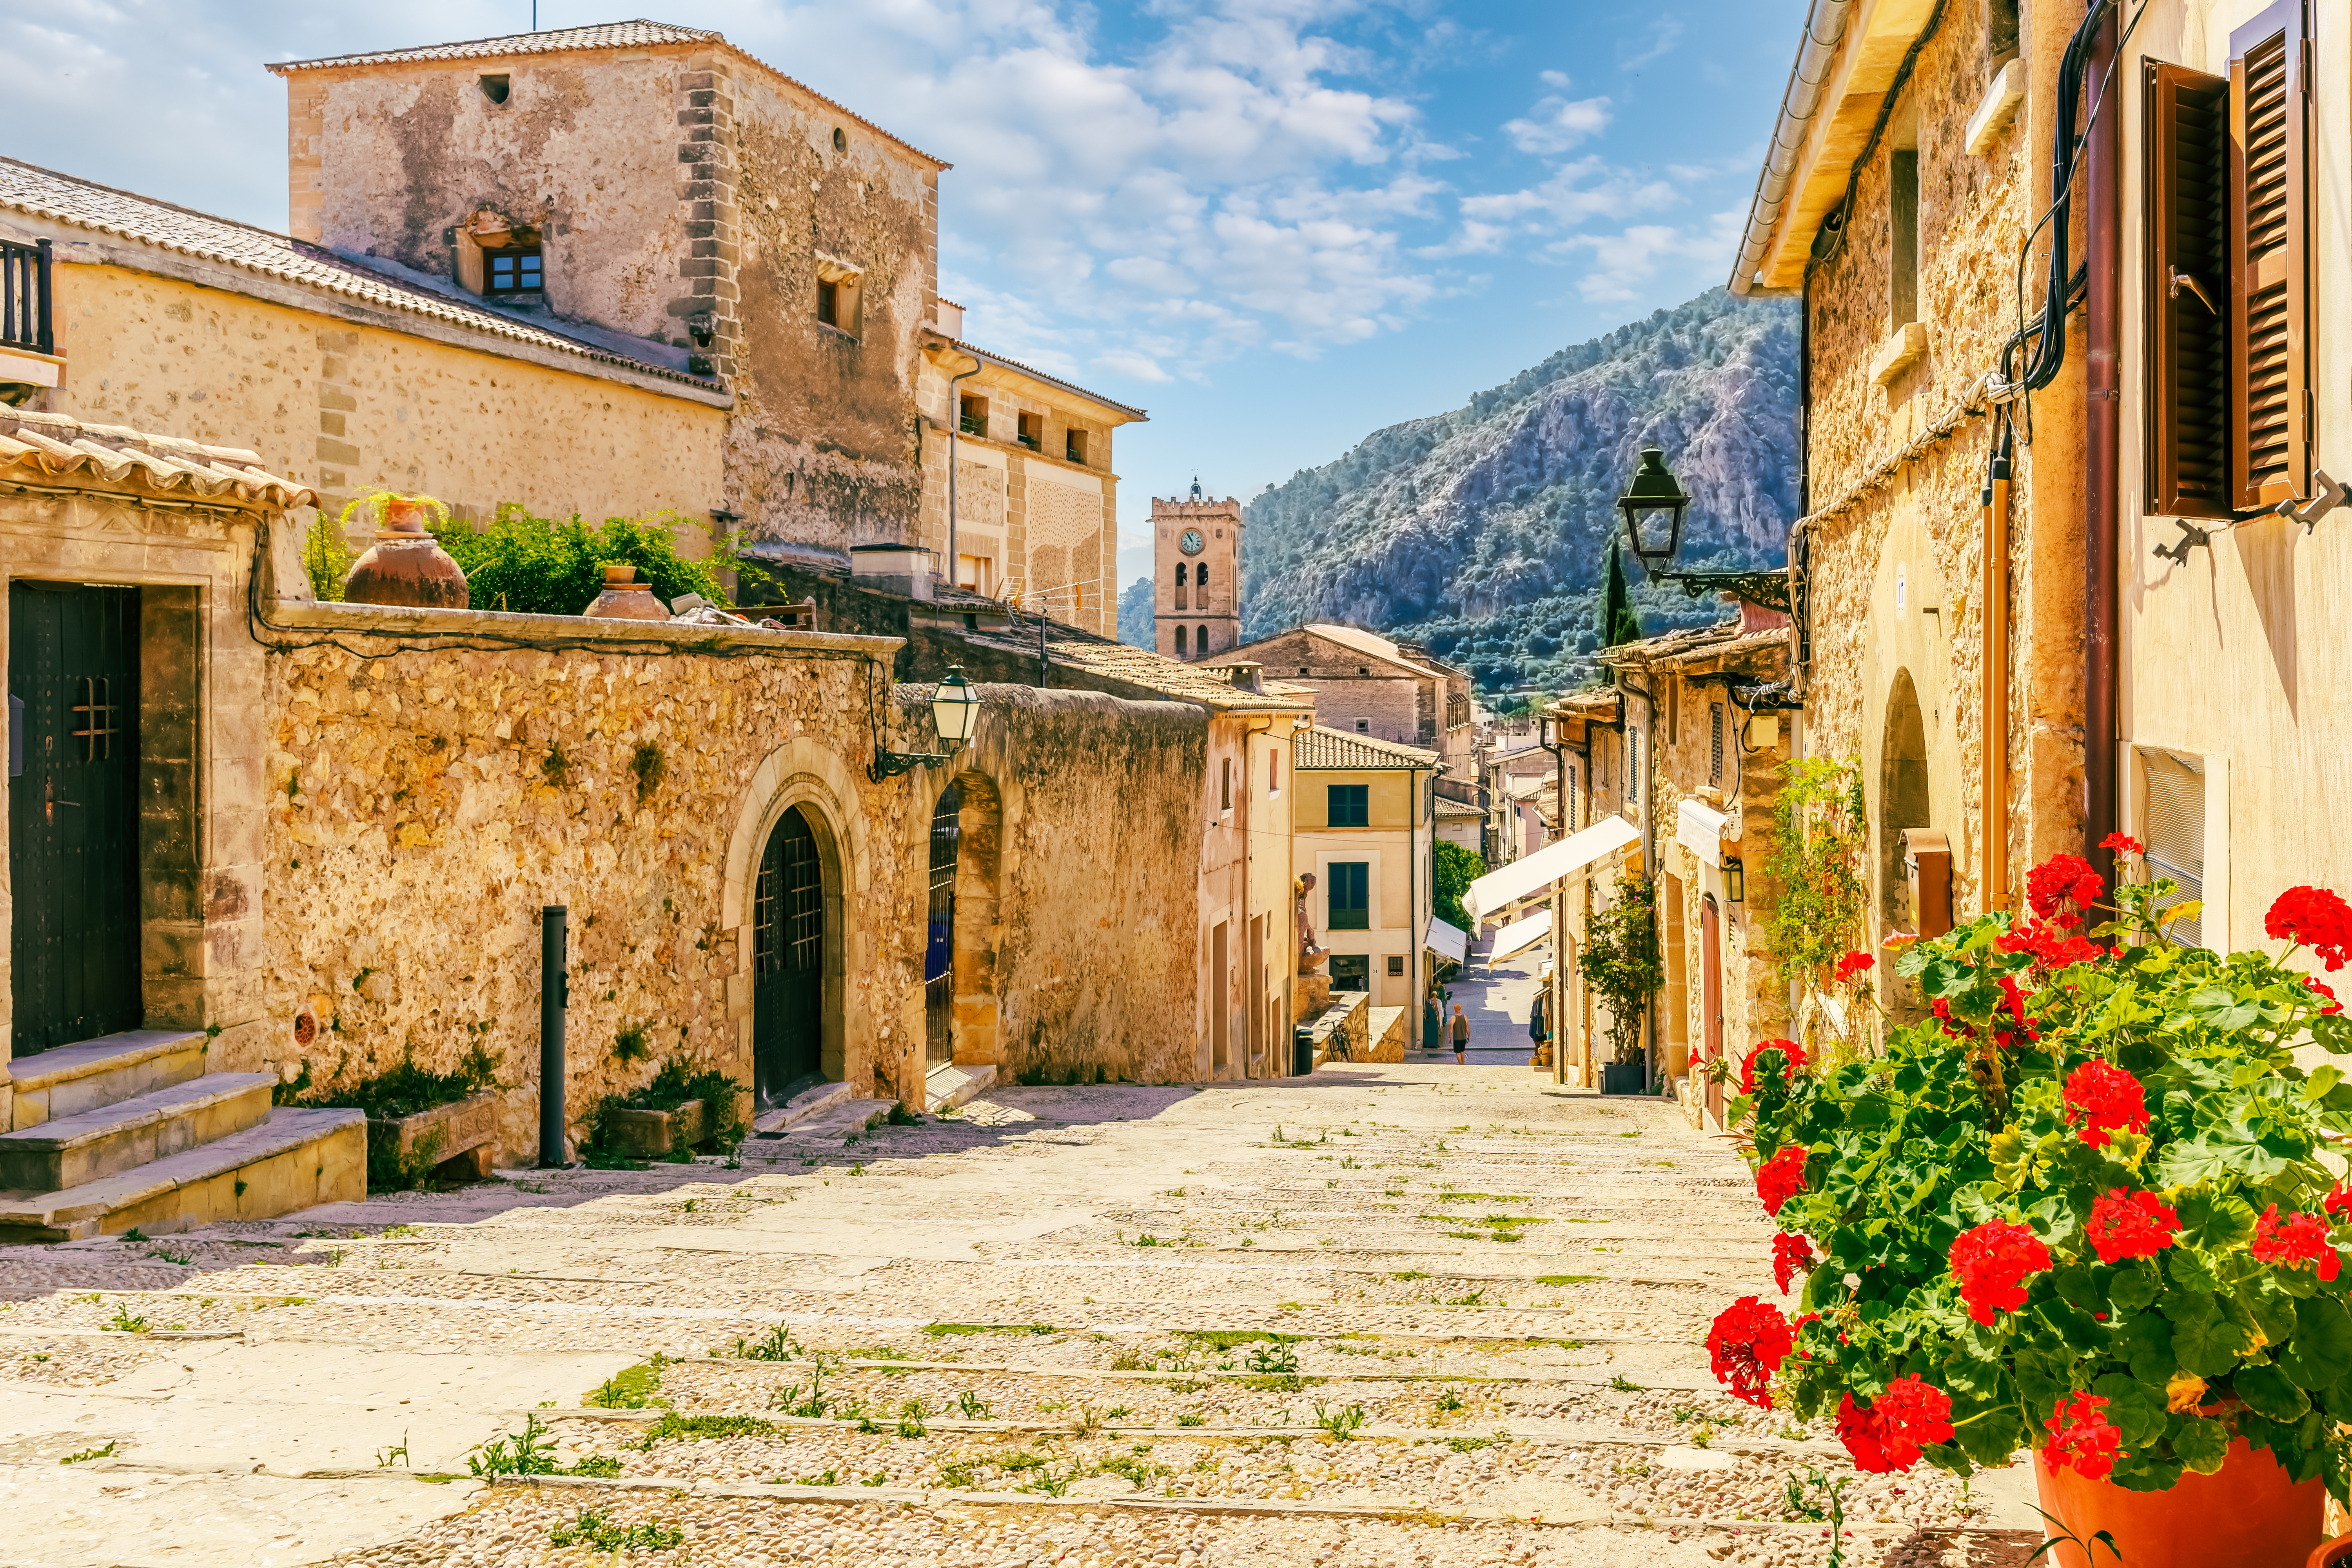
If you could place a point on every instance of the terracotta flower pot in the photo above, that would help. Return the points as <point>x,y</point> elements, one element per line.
<point>406,565</point>
<point>2334,1554</point>
<point>2245,1515</point>
<point>627,599</point>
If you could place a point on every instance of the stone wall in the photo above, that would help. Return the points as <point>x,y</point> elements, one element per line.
<point>1896,618</point>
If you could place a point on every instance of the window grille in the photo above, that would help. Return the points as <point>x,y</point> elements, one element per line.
<point>2176,833</point>
<point>1714,743</point>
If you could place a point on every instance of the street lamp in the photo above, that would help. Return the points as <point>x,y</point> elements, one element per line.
<point>1735,880</point>
<point>1654,500</point>
<point>955,713</point>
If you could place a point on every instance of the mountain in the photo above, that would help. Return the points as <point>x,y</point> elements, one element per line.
<point>1484,532</point>
<point>1137,626</point>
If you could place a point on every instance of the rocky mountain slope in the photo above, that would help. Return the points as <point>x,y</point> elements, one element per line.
<point>1135,618</point>
<point>1483,532</point>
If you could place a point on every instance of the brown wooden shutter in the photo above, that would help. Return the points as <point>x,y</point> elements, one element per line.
<point>2187,365</point>
<point>2269,257</point>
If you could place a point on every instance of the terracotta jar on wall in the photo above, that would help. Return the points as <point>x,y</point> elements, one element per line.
<point>627,599</point>
<point>406,565</point>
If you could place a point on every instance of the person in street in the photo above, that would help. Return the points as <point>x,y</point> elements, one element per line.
<point>1433,1024</point>
<point>1461,1037</point>
<point>1539,1027</point>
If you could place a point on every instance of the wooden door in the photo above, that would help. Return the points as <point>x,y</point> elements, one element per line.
<point>73,812</point>
<point>1710,998</point>
<point>788,962</point>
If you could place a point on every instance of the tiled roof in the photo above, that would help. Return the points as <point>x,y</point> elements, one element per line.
<point>1457,808</point>
<point>1723,639</point>
<point>45,193</point>
<point>1372,643</point>
<point>1102,657</point>
<point>637,35</point>
<point>34,447</point>
<point>989,357</point>
<point>1322,748</point>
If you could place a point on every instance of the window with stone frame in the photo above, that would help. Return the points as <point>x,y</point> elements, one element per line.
<point>1073,445</point>
<point>1350,904</point>
<point>514,270</point>
<point>1032,431</point>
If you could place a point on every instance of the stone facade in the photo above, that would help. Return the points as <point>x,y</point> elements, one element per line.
<point>1394,845</point>
<point>1909,296</point>
<point>1196,595</point>
<point>1368,685</point>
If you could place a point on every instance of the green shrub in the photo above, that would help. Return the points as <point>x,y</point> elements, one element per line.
<point>401,1090</point>
<point>1455,869</point>
<point>536,565</point>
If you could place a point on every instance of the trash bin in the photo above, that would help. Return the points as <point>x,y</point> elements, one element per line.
<point>1302,1053</point>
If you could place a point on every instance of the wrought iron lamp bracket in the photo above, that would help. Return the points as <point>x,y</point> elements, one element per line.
<point>890,764</point>
<point>1769,590</point>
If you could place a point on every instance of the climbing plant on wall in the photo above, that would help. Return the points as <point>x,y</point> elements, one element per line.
<point>1621,963</point>
<point>1819,821</point>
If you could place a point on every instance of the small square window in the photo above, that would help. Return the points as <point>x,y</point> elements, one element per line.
<point>1031,434</point>
<point>1396,966</point>
<point>1073,446</point>
<point>1363,726</point>
<point>515,269</point>
<point>972,417</point>
<point>1348,807</point>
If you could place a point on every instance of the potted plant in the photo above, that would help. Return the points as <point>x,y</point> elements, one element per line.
<point>406,565</point>
<point>683,1107</point>
<point>1620,963</point>
<point>2081,1207</point>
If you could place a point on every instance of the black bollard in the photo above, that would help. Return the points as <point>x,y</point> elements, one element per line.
<point>554,996</point>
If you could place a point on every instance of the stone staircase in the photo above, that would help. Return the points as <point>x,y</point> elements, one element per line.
<point>829,1114</point>
<point>128,1132</point>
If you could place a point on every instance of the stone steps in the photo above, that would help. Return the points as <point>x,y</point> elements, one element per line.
<point>835,1124</point>
<point>105,1071</point>
<point>950,1087</point>
<point>799,1107</point>
<point>293,1160</point>
<point>72,1151</point>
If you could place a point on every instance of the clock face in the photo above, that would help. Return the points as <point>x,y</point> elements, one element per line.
<point>1190,543</point>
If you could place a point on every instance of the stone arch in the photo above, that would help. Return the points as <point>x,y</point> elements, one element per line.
<point>804,775</point>
<point>1902,791</point>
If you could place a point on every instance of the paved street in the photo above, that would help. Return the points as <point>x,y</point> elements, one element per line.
<point>1496,1000</point>
<point>1412,1314</point>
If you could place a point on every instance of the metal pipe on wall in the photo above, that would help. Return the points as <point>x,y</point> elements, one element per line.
<point>1992,874</point>
<point>2102,452</point>
<point>554,994</point>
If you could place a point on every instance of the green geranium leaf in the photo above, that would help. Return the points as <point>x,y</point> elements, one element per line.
<point>2266,1390</point>
<point>2189,1270</point>
<point>2201,1444</point>
<point>2320,1353</point>
<point>2273,1314</point>
<point>2203,1338</point>
<point>2135,1407</point>
<point>2322,1080</point>
<point>2135,1286</point>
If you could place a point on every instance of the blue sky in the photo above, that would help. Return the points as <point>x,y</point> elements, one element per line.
<point>1278,224</point>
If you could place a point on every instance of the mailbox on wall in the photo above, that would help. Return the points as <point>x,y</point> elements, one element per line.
<point>1927,879</point>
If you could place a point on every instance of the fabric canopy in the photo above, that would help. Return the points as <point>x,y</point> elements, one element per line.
<point>1520,936</point>
<point>1499,893</point>
<point>1447,940</point>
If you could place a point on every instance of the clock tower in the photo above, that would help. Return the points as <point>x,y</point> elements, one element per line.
<point>1196,592</point>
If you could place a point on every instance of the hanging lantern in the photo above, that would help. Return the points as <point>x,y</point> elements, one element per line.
<point>1654,505</point>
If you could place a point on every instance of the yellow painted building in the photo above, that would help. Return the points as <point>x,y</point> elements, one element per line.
<point>1363,822</point>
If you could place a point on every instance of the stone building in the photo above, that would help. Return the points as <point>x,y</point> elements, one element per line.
<point>1368,685</point>
<point>342,821</point>
<point>609,269</point>
<point>1196,593</point>
<point>1365,823</point>
<point>1034,497</point>
<point>1951,630</point>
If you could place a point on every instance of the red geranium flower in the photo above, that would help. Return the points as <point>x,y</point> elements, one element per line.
<point>2122,844</point>
<point>1791,1256</point>
<point>1746,1346</point>
<point>1852,963</point>
<point>2081,1436</point>
<point>2102,1098</point>
<point>1911,1415</point>
<point>2129,1225</point>
<point>2051,948</point>
<point>2292,1242</point>
<point>1992,1263</point>
<point>2317,984</point>
<point>2315,917</point>
<point>1781,1177</point>
<point>2063,888</point>
<point>2339,1201</point>
<point>1792,1062</point>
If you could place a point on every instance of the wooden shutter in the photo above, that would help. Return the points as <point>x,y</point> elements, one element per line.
<point>2269,259</point>
<point>2188,438</point>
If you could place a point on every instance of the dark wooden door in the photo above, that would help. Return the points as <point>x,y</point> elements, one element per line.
<point>73,812</point>
<point>939,935</point>
<point>788,962</point>
<point>1710,997</point>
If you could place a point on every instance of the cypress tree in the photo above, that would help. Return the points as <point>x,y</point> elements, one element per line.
<point>1618,625</point>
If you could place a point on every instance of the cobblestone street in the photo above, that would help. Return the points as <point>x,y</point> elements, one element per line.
<point>1392,1315</point>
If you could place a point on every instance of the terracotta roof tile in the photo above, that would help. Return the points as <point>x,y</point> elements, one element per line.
<point>992,357</point>
<point>1322,748</point>
<point>45,193</point>
<point>35,447</point>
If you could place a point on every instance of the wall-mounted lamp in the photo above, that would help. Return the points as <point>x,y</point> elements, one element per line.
<point>1735,880</point>
<point>955,714</point>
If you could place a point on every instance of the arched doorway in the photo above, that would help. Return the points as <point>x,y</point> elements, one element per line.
<point>788,963</point>
<point>938,945</point>
<point>1902,793</point>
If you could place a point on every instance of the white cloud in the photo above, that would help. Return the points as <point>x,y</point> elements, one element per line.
<point>1628,261</point>
<point>1665,34</point>
<point>1555,124</point>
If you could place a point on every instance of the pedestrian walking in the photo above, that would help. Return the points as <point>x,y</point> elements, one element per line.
<point>1540,1029</point>
<point>1461,1037</point>
<point>1433,1024</point>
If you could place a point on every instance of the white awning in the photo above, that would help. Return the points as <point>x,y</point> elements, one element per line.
<point>1447,940</point>
<point>1499,893</point>
<point>1520,936</point>
<point>1699,829</point>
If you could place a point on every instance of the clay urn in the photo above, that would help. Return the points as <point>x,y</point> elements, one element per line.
<point>627,599</point>
<point>406,565</point>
